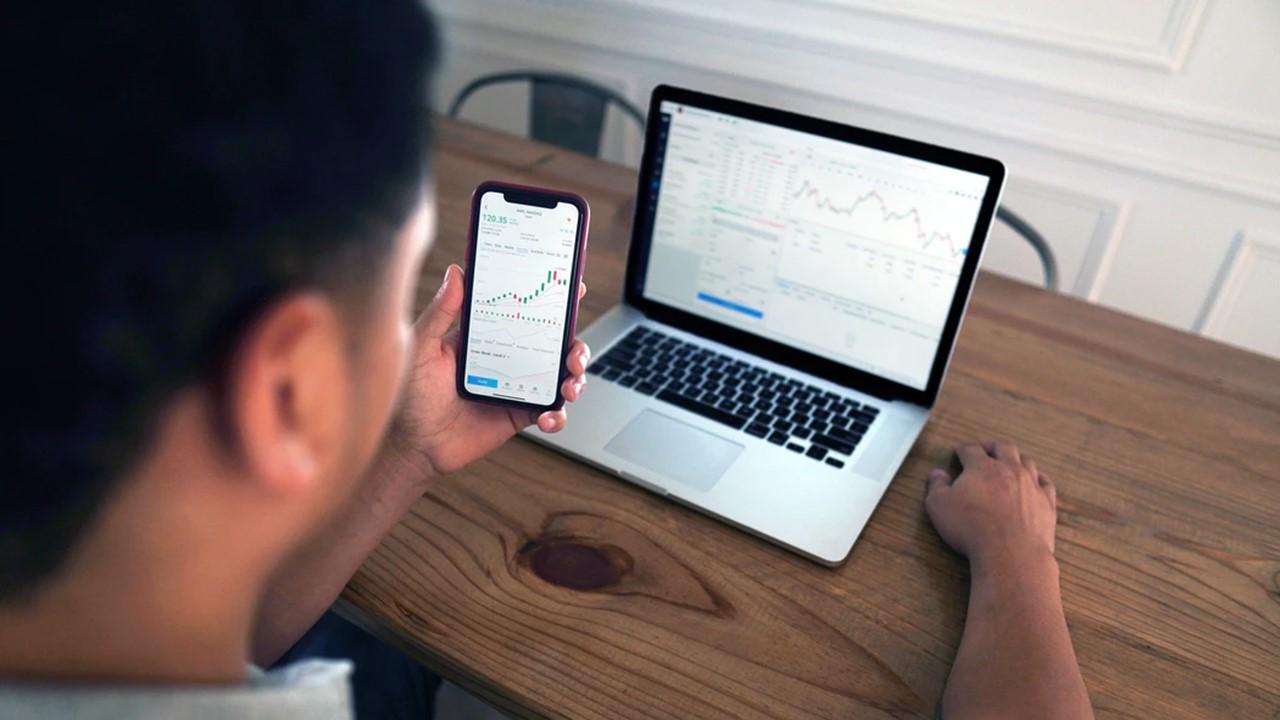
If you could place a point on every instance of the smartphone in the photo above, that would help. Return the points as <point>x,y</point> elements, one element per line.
<point>525,253</point>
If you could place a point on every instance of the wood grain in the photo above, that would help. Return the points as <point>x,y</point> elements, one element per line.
<point>1165,448</point>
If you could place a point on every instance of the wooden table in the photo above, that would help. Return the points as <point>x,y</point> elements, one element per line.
<point>1165,448</point>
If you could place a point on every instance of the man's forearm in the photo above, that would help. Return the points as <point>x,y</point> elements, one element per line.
<point>313,577</point>
<point>1015,658</point>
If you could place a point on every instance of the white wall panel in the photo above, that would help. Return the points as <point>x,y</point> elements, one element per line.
<point>1141,135</point>
<point>1245,299</point>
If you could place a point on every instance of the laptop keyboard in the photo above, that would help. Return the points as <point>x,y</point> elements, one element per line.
<point>804,419</point>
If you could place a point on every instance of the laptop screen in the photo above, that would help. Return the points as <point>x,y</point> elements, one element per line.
<point>844,251</point>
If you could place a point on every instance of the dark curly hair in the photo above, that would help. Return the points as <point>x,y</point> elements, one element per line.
<point>168,168</point>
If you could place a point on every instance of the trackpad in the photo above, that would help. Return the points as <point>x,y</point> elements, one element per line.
<point>674,449</point>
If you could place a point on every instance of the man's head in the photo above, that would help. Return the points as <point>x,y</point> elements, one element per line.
<point>214,215</point>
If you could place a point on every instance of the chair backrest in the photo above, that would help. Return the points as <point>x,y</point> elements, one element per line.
<point>1023,228</point>
<point>564,110</point>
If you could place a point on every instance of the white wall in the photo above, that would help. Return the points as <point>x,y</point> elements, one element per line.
<point>1142,136</point>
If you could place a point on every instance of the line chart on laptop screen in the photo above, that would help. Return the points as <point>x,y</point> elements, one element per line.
<point>845,251</point>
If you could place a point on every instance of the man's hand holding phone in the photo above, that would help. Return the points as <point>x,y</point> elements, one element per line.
<point>438,431</point>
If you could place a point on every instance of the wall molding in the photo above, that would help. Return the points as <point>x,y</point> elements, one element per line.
<point>1009,78</point>
<point>1100,247</point>
<point>1247,248</point>
<point>1167,52</point>
<point>757,65</point>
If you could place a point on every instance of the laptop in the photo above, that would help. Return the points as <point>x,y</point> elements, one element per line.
<point>794,288</point>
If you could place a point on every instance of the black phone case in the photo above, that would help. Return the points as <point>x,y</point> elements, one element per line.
<point>575,273</point>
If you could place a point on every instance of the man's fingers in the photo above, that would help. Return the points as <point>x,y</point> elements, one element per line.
<point>936,480</point>
<point>1032,470</point>
<point>972,455</point>
<point>444,308</point>
<point>1006,451</point>
<point>552,421</point>
<point>572,388</point>
<point>579,354</point>
<point>1049,489</point>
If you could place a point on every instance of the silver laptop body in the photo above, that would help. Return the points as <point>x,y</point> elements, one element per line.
<point>794,290</point>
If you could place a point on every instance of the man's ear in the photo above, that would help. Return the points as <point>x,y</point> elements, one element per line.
<point>288,393</point>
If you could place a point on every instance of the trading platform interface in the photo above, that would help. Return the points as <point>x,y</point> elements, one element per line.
<point>841,250</point>
<point>520,298</point>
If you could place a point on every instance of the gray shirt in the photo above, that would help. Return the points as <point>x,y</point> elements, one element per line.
<point>308,690</point>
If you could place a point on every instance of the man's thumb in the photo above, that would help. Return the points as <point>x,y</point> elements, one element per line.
<point>444,308</point>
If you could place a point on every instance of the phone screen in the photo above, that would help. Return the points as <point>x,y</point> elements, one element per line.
<point>520,296</point>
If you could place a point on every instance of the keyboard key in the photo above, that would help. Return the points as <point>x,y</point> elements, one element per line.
<point>647,388</point>
<point>818,426</point>
<point>618,357</point>
<point>829,442</point>
<point>727,405</point>
<point>802,432</point>
<point>873,411</point>
<point>777,438</point>
<point>817,452</point>
<point>822,413</point>
<point>708,411</point>
<point>795,448</point>
<point>835,462</point>
<point>595,368</point>
<point>840,421</point>
<point>611,374</point>
<point>783,425</point>
<point>757,429</point>
<point>628,381</point>
<point>845,436</point>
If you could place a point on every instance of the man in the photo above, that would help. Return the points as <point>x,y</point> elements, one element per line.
<point>215,215</point>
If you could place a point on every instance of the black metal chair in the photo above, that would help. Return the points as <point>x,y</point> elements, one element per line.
<point>1048,262</point>
<point>564,110</point>
<point>568,111</point>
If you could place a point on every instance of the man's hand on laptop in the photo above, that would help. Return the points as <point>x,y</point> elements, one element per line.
<point>999,512</point>
<point>437,431</point>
